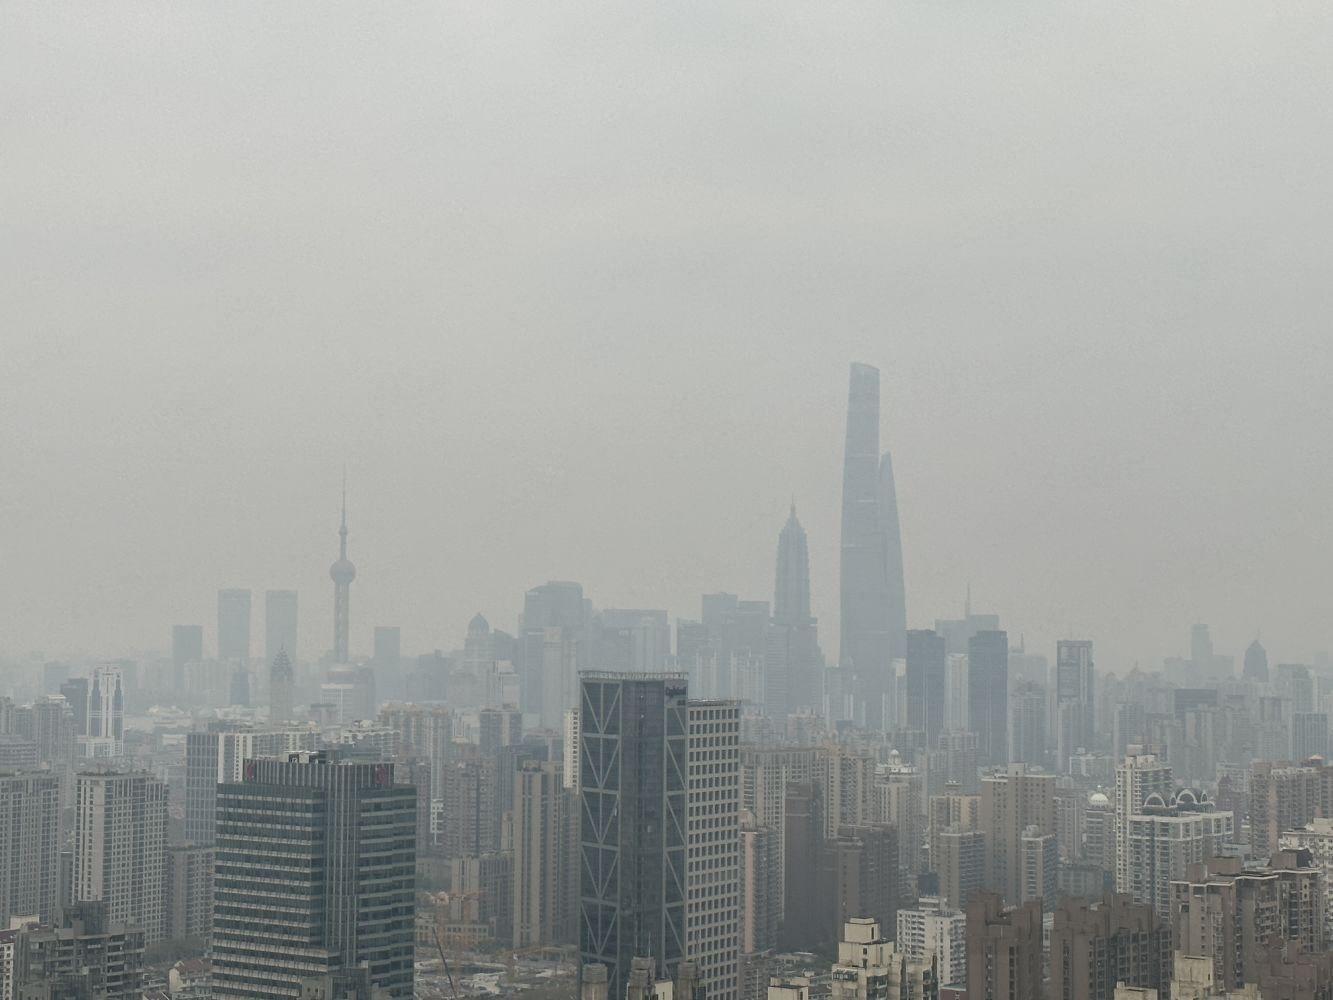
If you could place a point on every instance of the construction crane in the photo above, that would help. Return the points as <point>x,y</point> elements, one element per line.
<point>440,948</point>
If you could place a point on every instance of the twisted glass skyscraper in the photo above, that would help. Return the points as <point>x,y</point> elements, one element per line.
<point>873,598</point>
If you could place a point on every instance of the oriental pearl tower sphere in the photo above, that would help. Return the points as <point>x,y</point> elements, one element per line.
<point>342,573</point>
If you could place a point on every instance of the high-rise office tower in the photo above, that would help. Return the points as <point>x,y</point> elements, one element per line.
<point>858,873</point>
<point>553,645</point>
<point>1256,663</point>
<point>791,651</point>
<point>873,597</point>
<point>1027,724</point>
<point>280,619</point>
<point>1075,707</point>
<point>342,573</point>
<point>187,646</point>
<point>712,856</point>
<point>219,755</point>
<point>1309,735</point>
<point>539,852</point>
<point>1231,914</point>
<point>765,774</point>
<point>924,684</point>
<point>330,884</point>
<point>1004,949</point>
<point>281,688</point>
<point>634,745</point>
<point>1096,946</point>
<point>1137,777</point>
<point>469,827</point>
<point>30,845</point>
<point>234,627</point>
<point>988,695</point>
<point>120,843</point>
<point>1012,801</point>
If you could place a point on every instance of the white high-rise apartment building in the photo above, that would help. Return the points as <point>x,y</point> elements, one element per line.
<point>1140,775</point>
<point>712,858</point>
<point>1162,841</point>
<point>933,929</point>
<point>120,844</point>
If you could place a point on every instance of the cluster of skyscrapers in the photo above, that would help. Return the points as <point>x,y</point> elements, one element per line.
<point>711,807</point>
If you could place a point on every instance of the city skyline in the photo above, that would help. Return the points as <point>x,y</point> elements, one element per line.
<point>1102,345</point>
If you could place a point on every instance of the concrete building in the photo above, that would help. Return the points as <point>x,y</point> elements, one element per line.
<point>30,845</point>
<point>219,755</point>
<point>1231,915</point>
<point>1286,796</point>
<point>1316,837</point>
<point>1140,775</point>
<point>188,905</point>
<point>1011,803</point>
<point>1004,949</point>
<point>82,954</point>
<point>934,931</point>
<point>1165,838</point>
<point>760,902</point>
<point>961,864</point>
<point>187,646</point>
<point>1096,946</point>
<point>120,844</point>
<point>330,884</point>
<point>540,829</point>
<point>712,857</point>
<point>1040,865</point>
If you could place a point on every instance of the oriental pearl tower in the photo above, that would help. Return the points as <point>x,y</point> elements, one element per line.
<point>342,573</point>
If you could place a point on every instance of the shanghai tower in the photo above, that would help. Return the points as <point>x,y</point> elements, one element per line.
<point>873,598</point>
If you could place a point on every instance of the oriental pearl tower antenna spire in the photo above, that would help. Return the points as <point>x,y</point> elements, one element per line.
<point>342,573</point>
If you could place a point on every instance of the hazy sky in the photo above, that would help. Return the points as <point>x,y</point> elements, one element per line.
<point>572,289</point>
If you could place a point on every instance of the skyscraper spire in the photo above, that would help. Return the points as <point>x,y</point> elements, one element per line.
<point>873,602</point>
<point>342,573</point>
<point>791,593</point>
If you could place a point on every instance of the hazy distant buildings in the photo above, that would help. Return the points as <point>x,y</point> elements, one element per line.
<point>1256,663</point>
<point>791,648</point>
<point>120,842</point>
<point>103,715</point>
<point>281,688</point>
<point>1309,735</point>
<point>553,645</point>
<point>342,573</point>
<point>923,684</point>
<point>1027,724</point>
<point>234,627</point>
<point>872,595</point>
<point>1075,705</point>
<point>988,695</point>
<point>280,623</point>
<point>329,886</point>
<point>30,845</point>
<point>634,852</point>
<point>187,646</point>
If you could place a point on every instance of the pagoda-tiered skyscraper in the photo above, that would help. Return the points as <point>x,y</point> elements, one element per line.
<point>873,597</point>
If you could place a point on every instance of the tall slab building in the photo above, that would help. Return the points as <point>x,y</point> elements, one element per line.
<point>873,596</point>
<point>315,872</point>
<point>633,782</point>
